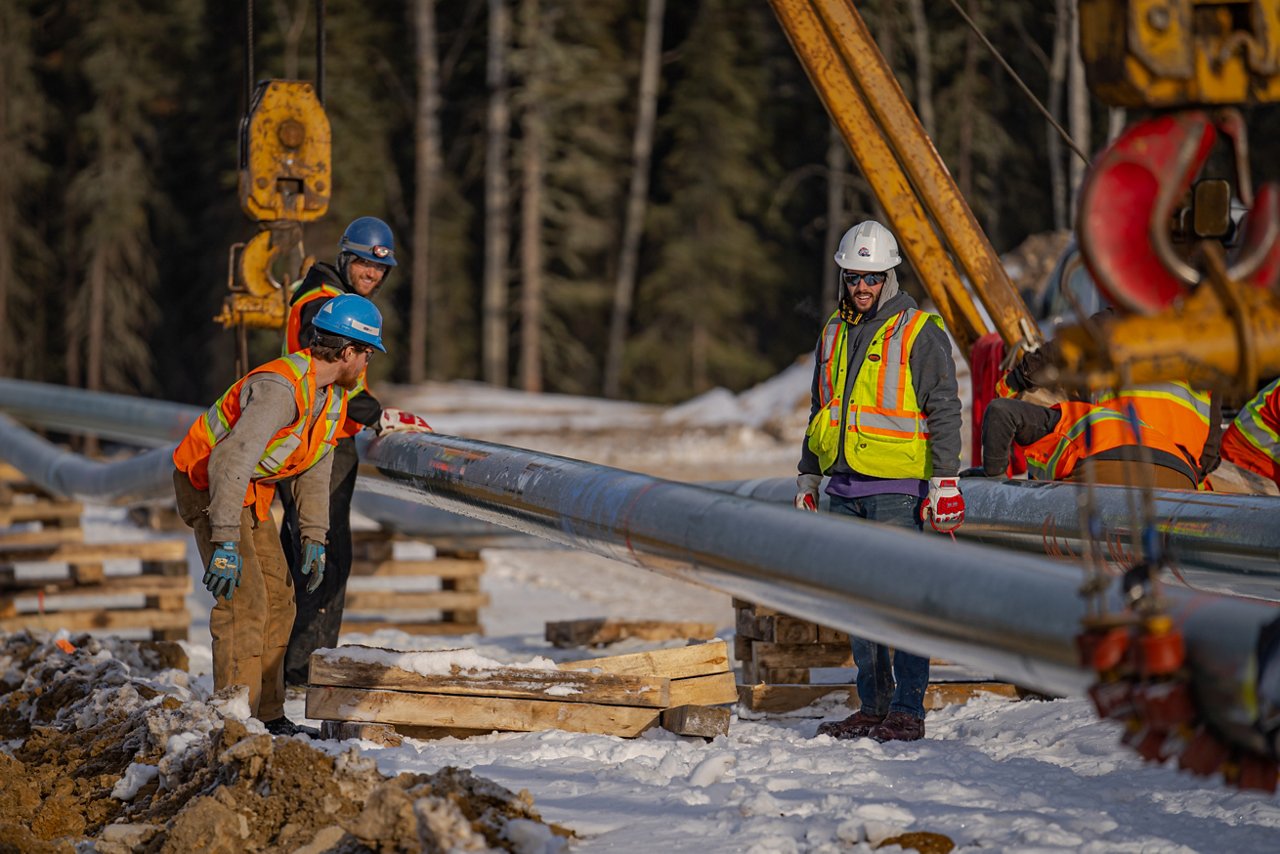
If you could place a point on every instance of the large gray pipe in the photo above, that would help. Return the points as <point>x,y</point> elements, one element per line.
<point>1217,542</point>
<point>1015,615</point>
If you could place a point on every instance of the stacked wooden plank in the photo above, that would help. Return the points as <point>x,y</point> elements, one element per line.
<point>51,579</point>
<point>777,654</point>
<point>599,631</point>
<point>450,607</point>
<point>617,695</point>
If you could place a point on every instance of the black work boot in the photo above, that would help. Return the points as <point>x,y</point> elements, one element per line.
<point>899,726</point>
<point>857,725</point>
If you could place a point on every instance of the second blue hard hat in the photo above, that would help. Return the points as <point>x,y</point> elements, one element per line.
<point>371,239</point>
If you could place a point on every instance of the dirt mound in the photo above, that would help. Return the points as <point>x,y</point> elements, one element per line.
<point>107,743</point>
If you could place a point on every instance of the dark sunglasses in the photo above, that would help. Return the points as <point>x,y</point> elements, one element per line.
<point>851,278</point>
<point>368,351</point>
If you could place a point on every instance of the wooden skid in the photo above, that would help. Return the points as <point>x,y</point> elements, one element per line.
<point>778,655</point>
<point>571,686</point>
<point>42,539</point>
<point>495,713</point>
<point>711,690</point>
<point>704,721</point>
<point>598,632</point>
<point>81,552</point>
<point>413,628</point>
<point>116,585</point>
<point>389,600</point>
<point>80,620</point>
<point>786,698</point>
<point>702,659</point>
<point>61,513</point>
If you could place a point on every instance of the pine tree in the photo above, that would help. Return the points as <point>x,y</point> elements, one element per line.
<point>714,261</point>
<point>24,258</point>
<point>113,194</point>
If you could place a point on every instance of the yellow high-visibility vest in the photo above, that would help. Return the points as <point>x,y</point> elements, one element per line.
<point>885,432</point>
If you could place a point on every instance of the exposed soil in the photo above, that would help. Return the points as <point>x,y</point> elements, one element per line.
<point>108,743</point>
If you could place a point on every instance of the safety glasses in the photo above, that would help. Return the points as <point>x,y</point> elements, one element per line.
<point>851,278</point>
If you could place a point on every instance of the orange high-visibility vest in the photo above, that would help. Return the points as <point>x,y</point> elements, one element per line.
<point>290,451</point>
<point>293,326</point>
<point>1086,430</point>
<point>1253,439</point>
<point>293,343</point>
<point>885,432</point>
<point>1175,409</point>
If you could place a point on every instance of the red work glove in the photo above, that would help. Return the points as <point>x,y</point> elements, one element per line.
<point>807,486</point>
<point>944,506</point>
<point>399,421</point>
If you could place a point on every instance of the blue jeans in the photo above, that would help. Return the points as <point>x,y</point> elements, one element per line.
<point>881,688</point>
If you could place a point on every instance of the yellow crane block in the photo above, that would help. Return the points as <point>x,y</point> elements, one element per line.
<point>286,161</point>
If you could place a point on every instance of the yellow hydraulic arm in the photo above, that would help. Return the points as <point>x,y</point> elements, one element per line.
<point>934,224</point>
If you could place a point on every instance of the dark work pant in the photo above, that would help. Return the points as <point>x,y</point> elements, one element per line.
<point>883,688</point>
<point>319,617</point>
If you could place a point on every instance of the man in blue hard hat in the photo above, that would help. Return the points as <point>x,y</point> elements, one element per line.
<point>274,428</point>
<point>366,255</point>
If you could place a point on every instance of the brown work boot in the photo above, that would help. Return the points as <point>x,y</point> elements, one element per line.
<point>899,726</point>
<point>857,725</point>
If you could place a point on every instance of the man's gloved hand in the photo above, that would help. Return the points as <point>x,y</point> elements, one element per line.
<point>807,486</point>
<point>222,575</point>
<point>944,506</point>
<point>313,563</point>
<point>399,421</point>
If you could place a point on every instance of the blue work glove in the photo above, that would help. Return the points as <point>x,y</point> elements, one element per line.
<point>313,563</point>
<point>222,575</point>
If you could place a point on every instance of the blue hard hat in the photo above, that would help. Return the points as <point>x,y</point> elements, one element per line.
<point>351,316</point>
<point>371,239</point>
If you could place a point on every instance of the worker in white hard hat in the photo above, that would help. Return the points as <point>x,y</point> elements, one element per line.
<point>884,425</point>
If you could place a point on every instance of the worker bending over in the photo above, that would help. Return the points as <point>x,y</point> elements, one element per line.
<point>885,425</point>
<point>366,254</point>
<point>279,421</point>
<point>1058,439</point>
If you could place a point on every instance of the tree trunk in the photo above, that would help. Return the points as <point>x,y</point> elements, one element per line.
<point>968,90</point>
<point>496,193</point>
<point>8,216</point>
<point>424,325</point>
<point>1078,106</point>
<point>924,71</point>
<point>837,167</point>
<point>633,226</point>
<point>532,176</point>
<point>1063,17</point>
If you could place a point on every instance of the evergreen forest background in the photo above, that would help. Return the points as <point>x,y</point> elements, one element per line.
<point>543,242</point>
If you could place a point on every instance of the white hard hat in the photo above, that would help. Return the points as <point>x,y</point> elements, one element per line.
<point>868,247</point>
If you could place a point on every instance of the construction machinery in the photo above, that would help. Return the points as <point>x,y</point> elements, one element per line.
<point>285,180</point>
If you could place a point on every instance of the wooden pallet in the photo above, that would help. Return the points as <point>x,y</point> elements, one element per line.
<point>154,598</point>
<point>776,654</point>
<point>452,608</point>
<point>618,695</point>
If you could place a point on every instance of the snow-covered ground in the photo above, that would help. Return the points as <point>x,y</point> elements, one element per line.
<point>994,774</point>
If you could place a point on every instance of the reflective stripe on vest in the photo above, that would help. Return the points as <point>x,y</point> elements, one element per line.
<point>1056,455</point>
<point>885,433</point>
<point>292,450</point>
<point>1254,424</point>
<point>1174,408</point>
